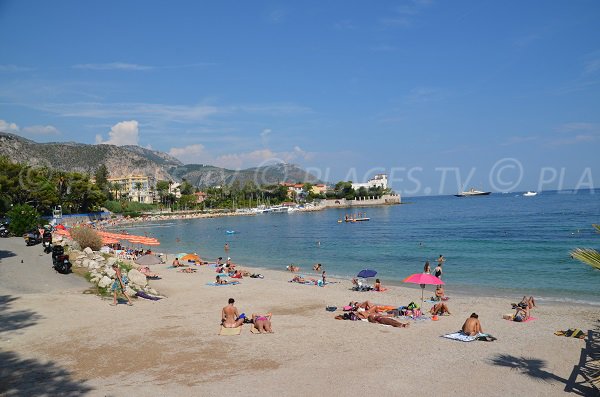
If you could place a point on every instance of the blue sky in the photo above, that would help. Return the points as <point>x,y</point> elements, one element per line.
<point>438,94</point>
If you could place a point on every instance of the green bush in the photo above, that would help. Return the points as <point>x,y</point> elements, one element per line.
<point>87,237</point>
<point>23,218</point>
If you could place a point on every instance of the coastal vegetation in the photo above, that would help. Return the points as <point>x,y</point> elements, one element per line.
<point>587,255</point>
<point>23,218</point>
<point>86,237</point>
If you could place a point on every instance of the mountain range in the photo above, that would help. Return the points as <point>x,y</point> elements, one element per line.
<point>128,160</point>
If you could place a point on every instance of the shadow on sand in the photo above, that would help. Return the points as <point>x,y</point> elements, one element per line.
<point>588,367</point>
<point>30,377</point>
<point>6,254</point>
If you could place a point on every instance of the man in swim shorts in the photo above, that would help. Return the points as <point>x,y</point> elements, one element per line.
<point>230,317</point>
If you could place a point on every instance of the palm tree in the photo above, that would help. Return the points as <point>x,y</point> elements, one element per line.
<point>587,255</point>
<point>138,187</point>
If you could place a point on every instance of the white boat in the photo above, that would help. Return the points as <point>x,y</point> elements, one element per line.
<point>472,192</point>
<point>529,194</point>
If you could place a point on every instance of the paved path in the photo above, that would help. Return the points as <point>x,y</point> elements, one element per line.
<point>35,274</point>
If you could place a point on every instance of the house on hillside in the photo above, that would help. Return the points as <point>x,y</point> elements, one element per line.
<point>379,180</point>
<point>200,197</point>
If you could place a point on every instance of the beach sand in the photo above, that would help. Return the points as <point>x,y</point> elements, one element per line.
<point>56,340</point>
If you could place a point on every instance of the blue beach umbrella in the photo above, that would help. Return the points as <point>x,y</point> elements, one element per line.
<point>366,273</point>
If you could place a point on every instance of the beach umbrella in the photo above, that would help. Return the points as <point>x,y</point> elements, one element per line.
<point>146,260</point>
<point>423,279</point>
<point>191,257</point>
<point>181,255</point>
<point>366,273</point>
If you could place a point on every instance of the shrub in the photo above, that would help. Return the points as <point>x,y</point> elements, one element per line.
<point>87,237</point>
<point>23,218</point>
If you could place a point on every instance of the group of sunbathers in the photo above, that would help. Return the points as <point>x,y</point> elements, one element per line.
<point>523,308</point>
<point>370,312</point>
<point>230,318</point>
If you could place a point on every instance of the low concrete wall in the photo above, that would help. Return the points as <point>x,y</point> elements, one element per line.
<point>387,199</point>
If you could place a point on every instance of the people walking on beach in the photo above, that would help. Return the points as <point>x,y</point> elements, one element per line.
<point>438,270</point>
<point>472,326</point>
<point>230,317</point>
<point>119,285</point>
<point>324,278</point>
<point>262,323</point>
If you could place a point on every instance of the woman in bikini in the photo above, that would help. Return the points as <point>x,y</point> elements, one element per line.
<point>439,309</point>
<point>262,323</point>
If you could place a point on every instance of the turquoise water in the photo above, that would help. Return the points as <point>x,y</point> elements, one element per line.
<point>503,243</point>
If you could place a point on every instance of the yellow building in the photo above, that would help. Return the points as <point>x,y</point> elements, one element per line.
<point>138,188</point>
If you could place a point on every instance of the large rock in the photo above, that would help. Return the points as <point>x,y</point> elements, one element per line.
<point>110,261</point>
<point>89,252</point>
<point>105,282</point>
<point>130,291</point>
<point>93,265</point>
<point>110,272</point>
<point>137,278</point>
<point>85,262</point>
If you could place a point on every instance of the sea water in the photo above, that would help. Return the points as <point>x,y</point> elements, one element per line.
<point>505,244</point>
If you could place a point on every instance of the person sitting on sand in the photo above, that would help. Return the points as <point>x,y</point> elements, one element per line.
<point>317,267</point>
<point>381,319</point>
<point>293,268</point>
<point>229,315</point>
<point>176,263</point>
<point>439,293</point>
<point>262,323</point>
<point>472,326</point>
<point>521,314</point>
<point>221,280</point>
<point>219,260</point>
<point>237,274</point>
<point>439,309</point>
<point>377,286</point>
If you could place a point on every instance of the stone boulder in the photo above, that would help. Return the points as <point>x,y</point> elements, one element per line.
<point>130,291</point>
<point>93,265</point>
<point>105,282</point>
<point>89,252</point>
<point>137,278</point>
<point>110,261</point>
<point>109,272</point>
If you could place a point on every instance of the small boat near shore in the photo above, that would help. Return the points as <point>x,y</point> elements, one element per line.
<point>529,194</point>
<point>472,192</point>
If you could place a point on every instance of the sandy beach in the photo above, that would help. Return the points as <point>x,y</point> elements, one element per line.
<point>57,340</point>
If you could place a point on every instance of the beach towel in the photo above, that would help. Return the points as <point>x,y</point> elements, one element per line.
<point>213,284</point>
<point>460,336</point>
<point>571,333</point>
<point>230,331</point>
<point>144,295</point>
<point>526,321</point>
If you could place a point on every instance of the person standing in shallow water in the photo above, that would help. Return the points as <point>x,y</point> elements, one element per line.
<point>426,270</point>
<point>438,271</point>
<point>226,247</point>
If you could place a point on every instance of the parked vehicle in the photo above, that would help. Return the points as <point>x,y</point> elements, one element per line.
<point>60,261</point>
<point>47,241</point>
<point>4,230</point>
<point>32,237</point>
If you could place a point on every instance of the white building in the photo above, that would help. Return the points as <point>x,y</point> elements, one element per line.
<point>379,180</point>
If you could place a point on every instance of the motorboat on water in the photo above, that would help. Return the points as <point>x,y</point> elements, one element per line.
<point>529,194</point>
<point>472,192</point>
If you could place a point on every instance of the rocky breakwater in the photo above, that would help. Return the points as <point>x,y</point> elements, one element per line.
<point>102,274</point>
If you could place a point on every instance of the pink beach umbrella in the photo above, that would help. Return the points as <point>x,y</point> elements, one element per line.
<point>423,278</point>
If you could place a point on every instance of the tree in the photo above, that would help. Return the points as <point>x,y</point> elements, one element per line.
<point>186,188</point>
<point>162,187</point>
<point>138,186</point>
<point>23,217</point>
<point>587,255</point>
<point>101,176</point>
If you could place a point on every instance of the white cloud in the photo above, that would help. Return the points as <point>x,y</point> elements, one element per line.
<point>112,66</point>
<point>264,136</point>
<point>192,154</point>
<point>123,133</point>
<point>576,126</point>
<point>6,126</point>
<point>41,130</point>
<point>513,140</point>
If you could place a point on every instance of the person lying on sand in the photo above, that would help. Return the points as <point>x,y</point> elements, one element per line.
<point>381,319</point>
<point>302,280</point>
<point>187,270</point>
<point>525,303</point>
<point>220,280</point>
<point>293,268</point>
<point>439,309</point>
<point>145,270</point>
<point>472,326</point>
<point>521,314</point>
<point>229,315</point>
<point>262,323</point>
<point>363,306</point>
